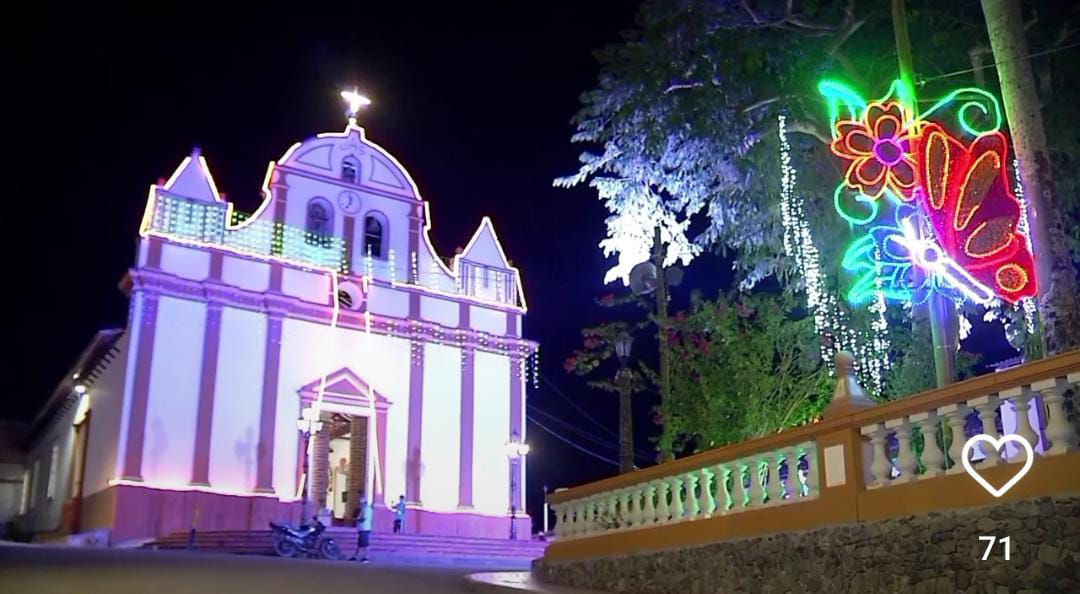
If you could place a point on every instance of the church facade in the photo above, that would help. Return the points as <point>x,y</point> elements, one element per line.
<point>326,310</point>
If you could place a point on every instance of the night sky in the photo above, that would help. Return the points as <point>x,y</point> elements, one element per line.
<point>475,103</point>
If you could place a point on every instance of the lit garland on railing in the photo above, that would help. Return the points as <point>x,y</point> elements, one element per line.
<point>203,223</point>
<point>830,320</point>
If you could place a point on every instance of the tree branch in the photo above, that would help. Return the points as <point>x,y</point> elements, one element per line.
<point>759,104</point>
<point>803,127</point>
<point>753,15</point>
<point>681,86</point>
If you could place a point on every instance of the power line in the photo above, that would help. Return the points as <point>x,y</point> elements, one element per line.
<point>559,392</point>
<point>587,435</point>
<point>570,443</point>
<point>970,70</point>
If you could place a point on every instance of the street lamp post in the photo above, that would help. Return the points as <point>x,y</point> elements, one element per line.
<point>624,381</point>
<point>308,424</point>
<point>515,451</point>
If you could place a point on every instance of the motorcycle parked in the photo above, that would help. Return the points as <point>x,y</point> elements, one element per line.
<point>307,540</point>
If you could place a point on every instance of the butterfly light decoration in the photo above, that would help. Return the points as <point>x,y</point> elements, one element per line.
<point>933,207</point>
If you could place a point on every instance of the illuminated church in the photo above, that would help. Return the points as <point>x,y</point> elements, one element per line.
<point>328,310</point>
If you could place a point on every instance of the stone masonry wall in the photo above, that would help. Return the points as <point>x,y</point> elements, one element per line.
<point>931,554</point>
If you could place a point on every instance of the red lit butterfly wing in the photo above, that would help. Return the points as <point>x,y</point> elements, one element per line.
<point>965,194</point>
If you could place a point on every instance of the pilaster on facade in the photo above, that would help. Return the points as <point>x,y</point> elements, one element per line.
<point>264,476</point>
<point>140,393</point>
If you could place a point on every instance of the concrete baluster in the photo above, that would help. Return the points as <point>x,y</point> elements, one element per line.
<point>663,512</point>
<point>1059,430</point>
<point>773,488</point>
<point>738,486</point>
<point>1020,399</point>
<point>880,467</point>
<point>792,485</point>
<point>677,509</point>
<point>723,497</point>
<point>933,459</point>
<point>906,461</point>
<point>690,502</point>
<point>811,470</point>
<point>757,495</point>
<point>706,502</point>
<point>635,505</point>
<point>955,417</point>
<point>649,515</point>
<point>987,407</point>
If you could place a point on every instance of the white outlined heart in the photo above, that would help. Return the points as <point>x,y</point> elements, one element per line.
<point>997,444</point>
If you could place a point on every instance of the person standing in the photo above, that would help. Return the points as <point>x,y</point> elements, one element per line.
<point>399,518</point>
<point>363,513</point>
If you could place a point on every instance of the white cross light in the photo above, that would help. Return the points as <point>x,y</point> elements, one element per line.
<point>355,101</point>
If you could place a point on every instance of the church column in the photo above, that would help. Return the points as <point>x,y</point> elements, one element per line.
<point>517,402</point>
<point>278,190</point>
<point>200,473</point>
<point>380,443</point>
<point>416,226</point>
<point>358,453</point>
<point>416,407</point>
<point>264,478</point>
<point>140,394</point>
<point>347,237</point>
<point>320,469</point>
<point>468,388</point>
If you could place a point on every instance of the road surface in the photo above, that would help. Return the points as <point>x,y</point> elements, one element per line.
<point>62,570</point>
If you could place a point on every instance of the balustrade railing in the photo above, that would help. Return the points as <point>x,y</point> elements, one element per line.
<point>779,476</point>
<point>927,440</point>
<point>833,466</point>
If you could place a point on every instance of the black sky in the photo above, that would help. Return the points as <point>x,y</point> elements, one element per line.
<point>475,102</point>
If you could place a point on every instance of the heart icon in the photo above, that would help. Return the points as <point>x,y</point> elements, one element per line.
<point>997,444</point>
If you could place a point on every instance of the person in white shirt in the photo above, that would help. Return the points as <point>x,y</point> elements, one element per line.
<point>364,513</point>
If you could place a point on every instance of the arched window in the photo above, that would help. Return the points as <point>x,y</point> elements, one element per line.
<point>350,170</point>
<point>374,232</point>
<point>320,222</point>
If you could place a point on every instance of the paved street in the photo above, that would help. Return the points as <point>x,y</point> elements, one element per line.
<point>54,570</point>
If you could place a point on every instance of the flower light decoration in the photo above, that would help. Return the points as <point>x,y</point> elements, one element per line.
<point>934,206</point>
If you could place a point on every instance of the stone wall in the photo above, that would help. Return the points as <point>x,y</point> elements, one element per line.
<point>931,553</point>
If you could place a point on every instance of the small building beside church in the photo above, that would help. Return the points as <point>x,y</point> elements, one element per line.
<point>328,303</point>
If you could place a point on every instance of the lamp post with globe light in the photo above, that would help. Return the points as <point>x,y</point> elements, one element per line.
<point>515,451</point>
<point>624,382</point>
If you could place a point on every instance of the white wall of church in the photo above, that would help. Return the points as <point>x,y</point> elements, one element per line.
<point>440,435</point>
<point>185,262</point>
<point>491,429</point>
<point>106,407</point>
<point>487,320</point>
<point>388,302</point>
<point>246,274</point>
<point>308,286</point>
<point>308,351</point>
<point>238,400</point>
<point>169,444</point>
<point>440,311</point>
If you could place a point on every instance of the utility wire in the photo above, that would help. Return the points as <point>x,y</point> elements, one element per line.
<point>570,443</point>
<point>969,70</point>
<point>586,435</point>
<point>559,392</point>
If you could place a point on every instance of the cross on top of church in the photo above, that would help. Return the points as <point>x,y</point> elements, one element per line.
<point>355,102</point>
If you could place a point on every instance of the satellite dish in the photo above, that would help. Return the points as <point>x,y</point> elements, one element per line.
<point>643,278</point>
<point>674,276</point>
